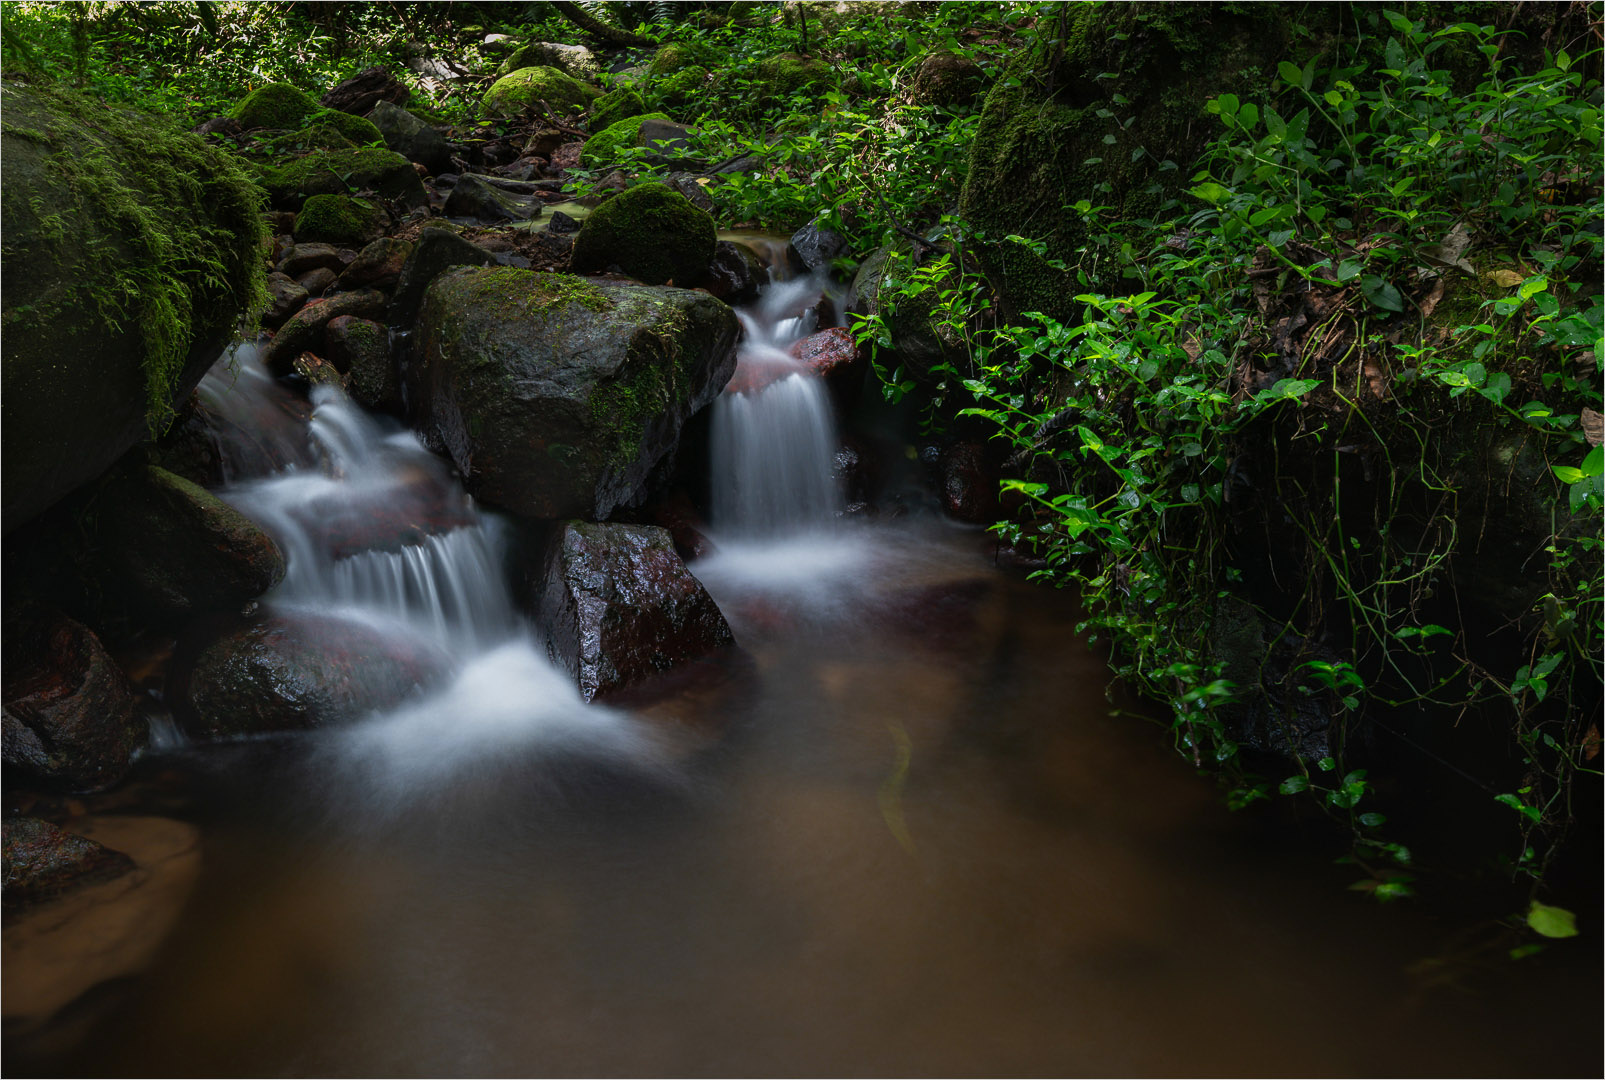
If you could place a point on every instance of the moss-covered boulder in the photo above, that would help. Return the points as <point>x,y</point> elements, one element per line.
<point>610,108</point>
<point>675,55</point>
<point>573,60</point>
<point>651,232</point>
<point>945,78</point>
<point>681,89</point>
<point>339,219</point>
<point>514,92</point>
<point>556,397</point>
<point>411,137</point>
<point>337,172</point>
<point>132,249</point>
<point>1040,147</point>
<point>921,342</point>
<point>276,105</point>
<point>786,73</point>
<point>603,147</point>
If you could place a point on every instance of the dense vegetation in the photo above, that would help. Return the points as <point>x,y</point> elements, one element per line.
<point>1240,381</point>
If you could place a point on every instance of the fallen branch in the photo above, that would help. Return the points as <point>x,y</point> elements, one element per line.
<point>576,15</point>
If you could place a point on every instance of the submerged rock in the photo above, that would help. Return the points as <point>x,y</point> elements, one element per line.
<point>618,605</point>
<point>556,397</point>
<point>41,862</point>
<point>286,673</point>
<point>69,714</point>
<point>650,232</point>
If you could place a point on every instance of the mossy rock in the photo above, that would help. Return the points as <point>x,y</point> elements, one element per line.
<point>339,219</point>
<point>603,147</point>
<point>360,130</point>
<point>512,93</point>
<point>786,73</point>
<point>620,104</point>
<point>945,78</point>
<point>557,397</point>
<point>132,252</point>
<point>675,55</point>
<point>337,172</point>
<point>276,105</point>
<point>327,129</point>
<point>682,88</point>
<point>650,231</point>
<point>574,60</point>
<point>1037,151</point>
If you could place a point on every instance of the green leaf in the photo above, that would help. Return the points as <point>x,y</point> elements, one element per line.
<point>1228,104</point>
<point>1211,192</point>
<point>1275,124</point>
<point>1290,73</point>
<point>1594,463</point>
<point>1372,819</point>
<point>1567,474</point>
<point>1531,813</point>
<point>1381,293</point>
<point>1551,922</point>
<point>1349,269</point>
<point>1294,784</point>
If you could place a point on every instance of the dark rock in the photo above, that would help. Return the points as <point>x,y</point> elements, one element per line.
<point>472,197</point>
<point>279,223</point>
<point>70,716</point>
<point>653,233</point>
<point>318,281</point>
<point>557,397</point>
<point>96,352</point>
<point>361,348</point>
<point>921,342</point>
<point>664,136</point>
<point>411,137</point>
<point>560,222</point>
<point>175,549</point>
<point>304,330</point>
<point>437,250</point>
<point>218,125</point>
<point>286,297</point>
<point>686,527</point>
<point>971,472</point>
<point>544,143</point>
<point>303,257</point>
<point>317,371</point>
<point>736,273</point>
<point>619,605</point>
<point>340,219</point>
<point>41,862</point>
<point>336,172</point>
<point>286,673</point>
<point>945,78</point>
<point>686,184</point>
<point>814,248</point>
<point>377,266</point>
<point>361,93</point>
<point>188,448</point>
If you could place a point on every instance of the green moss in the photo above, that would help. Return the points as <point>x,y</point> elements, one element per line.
<point>311,137</point>
<point>512,93</point>
<point>276,105</point>
<point>513,293</point>
<point>621,104</point>
<point>185,220</point>
<point>682,87</point>
<point>358,129</point>
<point>786,73</point>
<point>675,55</point>
<point>653,232</point>
<point>603,147</point>
<point>331,172</point>
<point>338,219</point>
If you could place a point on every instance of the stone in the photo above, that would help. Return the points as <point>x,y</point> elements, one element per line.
<point>610,108</point>
<point>472,197</point>
<point>274,106</point>
<point>437,250</point>
<point>921,342</point>
<point>303,257</point>
<point>362,93</point>
<point>619,605</point>
<point>650,232</point>
<point>336,172</point>
<point>971,472</point>
<point>340,219</point>
<point>528,87</point>
<point>636,131</point>
<point>289,673</point>
<point>304,329</point>
<point>411,137</point>
<point>108,320</point>
<point>378,265</point>
<point>285,298</point>
<point>556,397</point>
<point>814,249</point>
<point>70,716</point>
<point>175,550</point>
<point>736,274</point>
<point>573,60</point>
<point>361,349</point>
<point>561,223</point>
<point>40,862</point>
<point>318,281</point>
<point>945,78</point>
<point>829,354</point>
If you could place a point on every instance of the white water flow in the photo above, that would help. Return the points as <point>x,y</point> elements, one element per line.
<point>374,529</point>
<point>774,434</point>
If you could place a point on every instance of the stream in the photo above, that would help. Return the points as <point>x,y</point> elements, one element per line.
<point>905,834</point>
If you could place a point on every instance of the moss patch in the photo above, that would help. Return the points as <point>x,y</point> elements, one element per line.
<point>336,172</point>
<point>513,93</point>
<point>787,73</point>
<point>653,232</point>
<point>619,105</point>
<point>674,55</point>
<point>681,89</point>
<point>338,219</point>
<point>277,105</point>
<point>604,146</point>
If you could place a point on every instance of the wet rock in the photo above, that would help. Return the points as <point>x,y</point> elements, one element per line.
<point>736,273</point>
<point>188,448</point>
<point>970,475</point>
<point>411,137</point>
<point>303,257</point>
<point>560,222</point>
<point>95,353</point>
<point>437,250</point>
<point>619,605</point>
<point>686,527</point>
<point>556,397</point>
<point>287,673</point>
<point>304,330</point>
<point>829,354</point>
<point>335,172</point>
<point>317,371</point>
<point>69,713</point>
<point>339,219</point>
<point>814,248</point>
<point>41,862</point>
<point>175,549</point>
<point>361,348</point>
<point>472,197</point>
<point>377,266</point>
<point>651,232</point>
<point>285,298</point>
<point>361,93</point>
<point>318,281</point>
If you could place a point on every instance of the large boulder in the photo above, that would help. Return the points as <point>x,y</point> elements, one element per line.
<point>175,549</point>
<point>573,60</point>
<point>411,137</point>
<point>276,105</point>
<point>922,343</point>
<point>946,78</point>
<point>287,673</point>
<point>40,862</point>
<point>651,232</point>
<point>1049,138</point>
<point>339,219</point>
<point>132,251</point>
<point>437,250</point>
<point>69,717</point>
<point>556,397</point>
<point>336,172</point>
<point>619,605</point>
<point>363,92</point>
<point>526,87</point>
<point>603,147</point>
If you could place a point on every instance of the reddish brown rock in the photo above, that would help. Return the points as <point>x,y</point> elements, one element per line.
<point>286,297</point>
<point>300,258</point>
<point>378,265</point>
<point>367,88</point>
<point>41,862</point>
<point>304,330</point>
<point>317,281</point>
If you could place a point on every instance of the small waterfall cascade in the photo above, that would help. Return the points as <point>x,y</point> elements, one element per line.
<point>773,432</point>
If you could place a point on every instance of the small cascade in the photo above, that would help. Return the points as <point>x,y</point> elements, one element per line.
<point>774,433</point>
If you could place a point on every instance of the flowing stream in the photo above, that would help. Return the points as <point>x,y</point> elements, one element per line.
<point>904,837</point>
